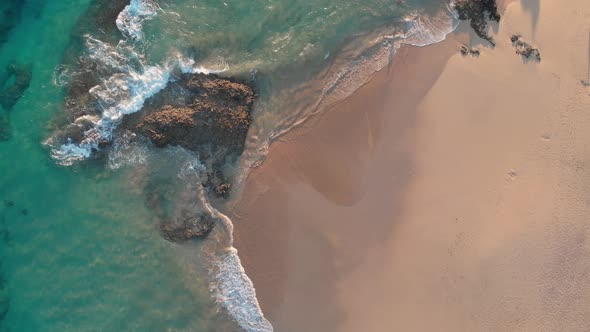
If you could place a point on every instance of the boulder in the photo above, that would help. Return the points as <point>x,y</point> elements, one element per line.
<point>202,113</point>
<point>187,228</point>
<point>524,49</point>
<point>479,13</point>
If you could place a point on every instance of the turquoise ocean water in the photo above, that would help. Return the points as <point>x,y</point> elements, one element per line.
<point>79,249</point>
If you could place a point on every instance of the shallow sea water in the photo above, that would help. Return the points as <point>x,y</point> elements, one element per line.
<point>79,249</point>
<point>85,255</point>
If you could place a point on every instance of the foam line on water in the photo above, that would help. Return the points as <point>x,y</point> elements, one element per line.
<point>130,20</point>
<point>231,285</point>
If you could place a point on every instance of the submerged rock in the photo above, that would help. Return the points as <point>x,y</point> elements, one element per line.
<point>479,13</point>
<point>206,114</point>
<point>15,83</point>
<point>187,228</point>
<point>464,50</point>
<point>524,49</point>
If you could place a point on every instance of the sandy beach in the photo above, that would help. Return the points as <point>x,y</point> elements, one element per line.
<point>450,193</point>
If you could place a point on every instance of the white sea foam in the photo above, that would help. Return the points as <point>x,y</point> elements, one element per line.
<point>127,151</point>
<point>130,20</point>
<point>124,92</point>
<point>231,285</point>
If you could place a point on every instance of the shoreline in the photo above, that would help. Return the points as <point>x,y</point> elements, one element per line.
<point>281,172</point>
<point>413,195</point>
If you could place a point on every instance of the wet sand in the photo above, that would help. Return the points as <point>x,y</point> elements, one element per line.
<point>449,193</point>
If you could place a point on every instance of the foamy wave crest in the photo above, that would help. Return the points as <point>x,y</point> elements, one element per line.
<point>127,151</point>
<point>235,290</point>
<point>130,20</point>
<point>124,92</point>
<point>424,31</point>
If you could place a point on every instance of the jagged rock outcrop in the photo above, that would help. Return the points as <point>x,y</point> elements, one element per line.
<point>524,49</point>
<point>187,228</point>
<point>10,16</point>
<point>202,113</point>
<point>208,115</point>
<point>465,51</point>
<point>479,13</point>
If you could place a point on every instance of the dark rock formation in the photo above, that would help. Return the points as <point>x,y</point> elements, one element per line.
<point>186,228</point>
<point>479,13</point>
<point>469,51</point>
<point>464,50</point>
<point>524,49</point>
<point>223,190</point>
<point>202,113</point>
<point>205,114</point>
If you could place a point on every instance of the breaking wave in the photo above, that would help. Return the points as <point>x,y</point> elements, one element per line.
<point>340,81</point>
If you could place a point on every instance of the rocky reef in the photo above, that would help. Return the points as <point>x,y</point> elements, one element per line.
<point>187,228</point>
<point>524,49</point>
<point>206,114</point>
<point>479,13</point>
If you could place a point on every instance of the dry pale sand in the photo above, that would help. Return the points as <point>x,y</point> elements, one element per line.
<point>448,194</point>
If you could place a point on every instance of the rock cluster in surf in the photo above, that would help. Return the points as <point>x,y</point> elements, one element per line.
<point>202,113</point>
<point>479,13</point>
<point>465,51</point>
<point>524,49</point>
<point>187,228</point>
<point>205,114</point>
